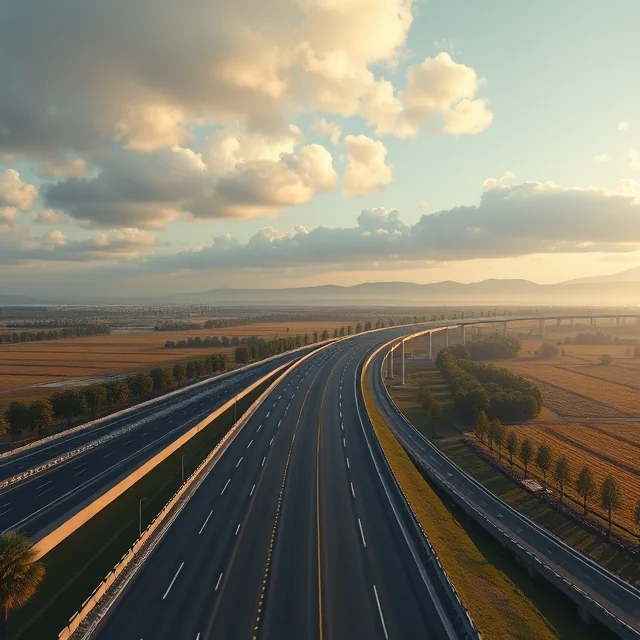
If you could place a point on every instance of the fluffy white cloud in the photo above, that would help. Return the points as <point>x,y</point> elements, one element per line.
<point>14,192</point>
<point>7,215</point>
<point>602,158</point>
<point>47,216</point>
<point>492,183</point>
<point>423,205</point>
<point>238,175</point>
<point>623,125</point>
<point>79,78</point>
<point>366,172</point>
<point>325,128</point>
<point>633,155</point>
<point>57,167</point>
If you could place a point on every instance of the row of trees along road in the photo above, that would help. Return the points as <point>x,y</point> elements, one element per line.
<point>495,436</point>
<point>21,418</point>
<point>80,331</point>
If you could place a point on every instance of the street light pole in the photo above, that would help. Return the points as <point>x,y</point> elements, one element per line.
<point>140,516</point>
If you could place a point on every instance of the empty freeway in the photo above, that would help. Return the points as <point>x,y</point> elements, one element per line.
<point>293,534</point>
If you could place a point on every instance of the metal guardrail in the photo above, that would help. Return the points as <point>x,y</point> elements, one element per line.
<point>531,560</point>
<point>458,613</point>
<point>138,553</point>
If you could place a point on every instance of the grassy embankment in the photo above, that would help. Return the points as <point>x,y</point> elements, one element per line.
<point>77,565</point>
<point>502,599</point>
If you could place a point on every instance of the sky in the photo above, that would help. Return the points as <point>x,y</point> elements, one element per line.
<point>153,147</point>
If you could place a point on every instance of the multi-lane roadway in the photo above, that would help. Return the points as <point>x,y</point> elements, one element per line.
<point>34,505</point>
<point>291,535</point>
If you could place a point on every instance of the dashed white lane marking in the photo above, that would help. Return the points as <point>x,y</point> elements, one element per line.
<point>364,542</point>
<point>258,429</point>
<point>271,441</point>
<point>251,492</point>
<point>220,578</point>
<point>81,469</point>
<point>348,466</point>
<point>279,421</point>
<point>108,454</point>
<point>205,522</point>
<point>344,442</point>
<point>237,528</point>
<point>239,461</point>
<point>342,425</point>
<point>263,461</point>
<point>268,413</point>
<point>249,444</point>
<point>166,593</point>
<point>225,486</point>
<point>384,626</point>
<point>353,491</point>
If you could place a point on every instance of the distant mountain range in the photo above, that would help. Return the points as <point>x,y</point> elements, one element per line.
<point>620,289</point>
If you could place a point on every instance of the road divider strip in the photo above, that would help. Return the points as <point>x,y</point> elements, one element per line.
<point>85,621</point>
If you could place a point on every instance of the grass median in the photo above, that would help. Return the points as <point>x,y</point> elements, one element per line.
<point>78,564</point>
<point>502,599</point>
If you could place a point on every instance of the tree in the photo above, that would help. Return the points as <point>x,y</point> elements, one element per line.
<point>4,425</point>
<point>435,410</point>
<point>498,435</point>
<point>562,474</point>
<point>325,335</point>
<point>585,485</point>
<point>548,350</point>
<point>610,496</point>
<point>118,392</point>
<point>96,397</point>
<point>20,574</point>
<point>40,415</point>
<point>68,404</point>
<point>512,444</point>
<point>180,371</point>
<point>544,460</point>
<point>162,378</point>
<point>140,383</point>
<point>526,454</point>
<point>243,354</point>
<point>482,426</point>
<point>359,327</point>
<point>17,415</point>
<point>606,359</point>
<point>367,325</point>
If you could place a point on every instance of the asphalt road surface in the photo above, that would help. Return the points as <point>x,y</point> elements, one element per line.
<point>613,593</point>
<point>38,503</point>
<point>291,535</point>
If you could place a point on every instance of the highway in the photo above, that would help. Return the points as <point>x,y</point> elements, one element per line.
<point>35,504</point>
<point>613,593</point>
<point>292,534</point>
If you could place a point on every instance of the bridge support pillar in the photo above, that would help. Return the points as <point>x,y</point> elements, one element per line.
<point>430,345</point>
<point>541,327</point>
<point>402,360</point>
<point>618,321</point>
<point>464,334</point>
<point>558,321</point>
<point>446,337</point>
<point>505,329</point>
<point>391,362</point>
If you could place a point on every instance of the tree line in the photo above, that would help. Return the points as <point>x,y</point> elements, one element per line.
<point>493,347</point>
<point>609,493</point>
<point>20,418</point>
<point>216,323</point>
<point>483,387</point>
<point>78,331</point>
<point>600,338</point>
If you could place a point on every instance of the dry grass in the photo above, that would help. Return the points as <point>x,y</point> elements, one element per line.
<point>603,454</point>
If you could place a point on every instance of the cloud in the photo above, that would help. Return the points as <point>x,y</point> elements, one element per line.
<point>56,167</point>
<point>602,158</point>
<point>492,183</point>
<point>55,246</point>
<point>47,216</point>
<point>325,128</point>
<point>423,205</point>
<point>623,125</point>
<point>80,79</point>
<point>515,220</point>
<point>633,155</point>
<point>14,192</point>
<point>7,215</point>
<point>239,175</point>
<point>366,172</point>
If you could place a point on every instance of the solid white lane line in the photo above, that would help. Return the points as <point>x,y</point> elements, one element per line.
<point>263,461</point>
<point>250,444</point>
<point>384,626</point>
<point>252,490</point>
<point>364,542</point>
<point>205,522</point>
<point>225,486</point>
<point>239,461</point>
<point>220,578</point>
<point>166,593</point>
<point>42,486</point>
<point>348,467</point>
<point>4,508</point>
<point>237,528</point>
<point>353,492</point>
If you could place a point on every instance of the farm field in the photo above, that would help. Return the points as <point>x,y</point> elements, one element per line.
<point>24,367</point>
<point>582,449</point>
